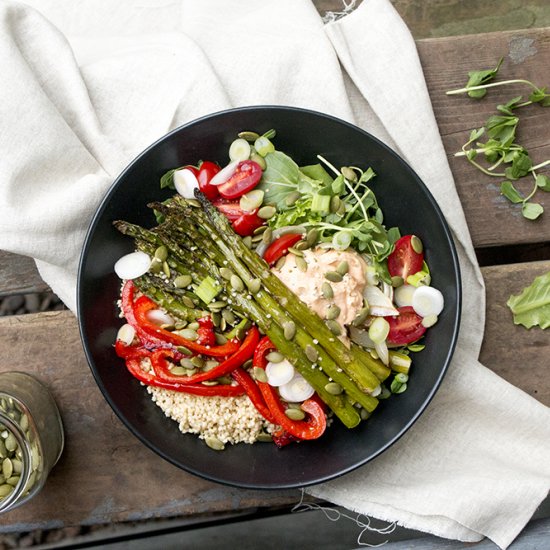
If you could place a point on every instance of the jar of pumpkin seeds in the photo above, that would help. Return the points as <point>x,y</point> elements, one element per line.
<point>31,438</point>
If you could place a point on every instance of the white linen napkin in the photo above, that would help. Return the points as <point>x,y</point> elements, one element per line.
<point>80,99</point>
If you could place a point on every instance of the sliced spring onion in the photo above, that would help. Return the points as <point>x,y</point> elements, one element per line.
<point>379,304</point>
<point>379,330</point>
<point>263,146</point>
<point>133,265</point>
<point>403,295</point>
<point>239,150</point>
<point>429,321</point>
<point>251,200</point>
<point>160,317</point>
<point>399,362</point>
<point>427,301</point>
<point>126,333</point>
<point>383,353</point>
<point>297,390</point>
<point>185,183</point>
<point>208,289</point>
<point>224,174</point>
<point>341,240</point>
<point>279,373</point>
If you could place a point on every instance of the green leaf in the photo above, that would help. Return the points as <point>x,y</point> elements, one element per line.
<point>502,128</point>
<point>338,185</point>
<point>543,182</point>
<point>476,134</point>
<point>478,78</point>
<point>521,164</point>
<point>471,154</point>
<point>532,306</point>
<point>510,192</point>
<point>317,172</point>
<point>531,210</point>
<point>367,175</point>
<point>167,180</point>
<point>394,234</point>
<point>539,95</point>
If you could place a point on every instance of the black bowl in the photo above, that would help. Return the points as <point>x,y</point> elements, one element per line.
<point>302,134</point>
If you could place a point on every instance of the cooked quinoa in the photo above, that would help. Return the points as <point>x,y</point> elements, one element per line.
<point>229,419</point>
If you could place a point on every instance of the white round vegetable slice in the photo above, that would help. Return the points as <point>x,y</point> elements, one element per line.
<point>403,295</point>
<point>427,301</point>
<point>224,174</point>
<point>279,373</point>
<point>160,317</point>
<point>297,390</point>
<point>239,150</point>
<point>132,265</point>
<point>185,183</point>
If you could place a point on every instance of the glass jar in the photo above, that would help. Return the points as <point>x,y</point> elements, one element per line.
<point>31,438</point>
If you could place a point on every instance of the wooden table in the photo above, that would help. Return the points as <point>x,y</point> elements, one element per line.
<point>106,475</point>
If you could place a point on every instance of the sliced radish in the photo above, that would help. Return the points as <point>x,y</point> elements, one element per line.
<point>279,373</point>
<point>133,265</point>
<point>185,183</point>
<point>224,174</point>
<point>379,304</point>
<point>383,352</point>
<point>239,150</point>
<point>297,390</point>
<point>160,317</point>
<point>126,333</point>
<point>403,295</point>
<point>427,301</point>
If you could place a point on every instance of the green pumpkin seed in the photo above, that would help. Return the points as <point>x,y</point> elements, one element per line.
<point>11,442</point>
<point>7,468</point>
<point>247,364</point>
<point>289,330</point>
<point>396,281</point>
<point>210,383</point>
<point>236,283</point>
<point>182,281</point>
<point>251,200</point>
<point>274,357</point>
<point>5,490</point>
<point>241,334</point>
<point>220,339</point>
<point>217,304</point>
<point>333,388</point>
<point>216,318</point>
<point>301,245</point>
<point>267,236</point>
<point>259,230</point>
<point>13,480</point>
<point>301,264</point>
<point>254,286</point>
<point>295,414</point>
<point>3,450</point>
<point>214,443</point>
<point>312,236</point>
<point>349,173</point>
<point>249,136</point>
<point>311,353</point>
<point>291,198</point>
<point>335,203</point>
<point>226,273</point>
<point>280,262</point>
<point>188,334</point>
<point>188,302</point>
<point>257,238</point>
<point>180,371</point>
<point>332,312</point>
<point>247,241</point>
<point>209,365</point>
<point>225,380</point>
<point>184,350</point>
<point>334,327</point>
<point>263,437</point>
<point>361,317</point>
<point>161,253</point>
<point>417,245</point>
<point>223,324</point>
<point>156,266</point>
<point>197,361</point>
<point>194,325</point>
<point>229,316</point>
<point>17,465</point>
<point>342,209</point>
<point>187,363</point>
<point>343,268</point>
<point>166,269</point>
<point>256,157</point>
<point>295,251</point>
<point>327,291</point>
<point>259,374</point>
<point>334,276</point>
<point>267,212</point>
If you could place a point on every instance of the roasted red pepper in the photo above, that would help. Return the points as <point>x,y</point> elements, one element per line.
<point>253,392</point>
<point>159,360</point>
<point>206,332</point>
<point>313,427</point>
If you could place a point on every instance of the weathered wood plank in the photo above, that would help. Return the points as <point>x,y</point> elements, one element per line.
<point>492,219</point>
<point>18,275</point>
<point>106,474</point>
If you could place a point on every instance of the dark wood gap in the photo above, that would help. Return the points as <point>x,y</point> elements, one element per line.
<point>513,254</point>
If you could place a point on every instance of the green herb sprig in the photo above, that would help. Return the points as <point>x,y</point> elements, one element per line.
<point>501,149</point>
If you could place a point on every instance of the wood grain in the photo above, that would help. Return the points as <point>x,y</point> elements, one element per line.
<point>107,475</point>
<point>18,275</point>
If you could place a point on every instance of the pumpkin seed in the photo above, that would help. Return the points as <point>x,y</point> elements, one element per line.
<point>251,200</point>
<point>334,276</point>
<point>240,334</point>
<point>343,268</point>
<point>274,357</point>
<point>166,269</point>
<point>217,304</point>
<point>225,380</point>
<point>301,264</point>
<point>188,302</point>
<point>184,350</point>
<point>291,198</point>
<point>289,330</point>
<point>249,136</point>
<point>161,253</point>
<point>264,437</point>
<point>197,361</point>
<point>223,324</point>
<point>220,339</point>
<point>229,316</point>
<point>267,236</point>
<point>247,364</point>
<point>7,468</point>
<point>17,466</point>
<point>209,365</point>
<point>216,318</point>
<point>226,273</point>
<point>311,353</point>
<point>182,281</point>
<point>180,371</point>
<point>247,241</point>
<point>256,157</point>
<point>257,238</point>
<point>341,209</point>
<point>332,312</point>
<point>259,230</point>
<point>254,286</point>
<point>209,383</point>
<point>396,281</point>
<point>416,244</point>
<point>326,291</point>
<point>267,212</point>
<point>312,236</point>
<point>3,450</point>
<point>188,334</point>
<point>295,251</point>
<point>259,374</point>
<point>333,388</point>
<point>187,363</point>
<point>335,203</point>
<point>236,283</point>
<point>194,325</point>
<point>361,317</point>
<point>280,262</point>
<point>334,327</point>
<point>301,245</point>
<point>349,173</point>
<point>214,443</point>
<point>13,480</point>
<point>11,442</point>
<point>295,414</point>
<point>5,490</point>
<point>156,266</point>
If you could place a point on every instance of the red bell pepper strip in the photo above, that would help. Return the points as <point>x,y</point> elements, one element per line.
<point>253,391</point>
<point>313,427</point>
<point>159,360</point>
<point>130,352</point>
<point>206,332</point>
<point>144,304</point>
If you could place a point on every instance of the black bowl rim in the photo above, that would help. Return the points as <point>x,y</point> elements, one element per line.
<point>290,485</point>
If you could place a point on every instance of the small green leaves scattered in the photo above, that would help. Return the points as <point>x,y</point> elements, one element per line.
<point>532,306</point>
<point>501,149</point>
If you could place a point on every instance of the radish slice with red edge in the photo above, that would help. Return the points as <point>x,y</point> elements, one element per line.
<point>133,265</point>
<point>279,373</point>
<point>185,183</point>
<point>427,301</point>
<point>224,174</point>
<point>297,390</point>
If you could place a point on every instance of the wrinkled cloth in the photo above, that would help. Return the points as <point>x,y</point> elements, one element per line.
<point>86,86</point>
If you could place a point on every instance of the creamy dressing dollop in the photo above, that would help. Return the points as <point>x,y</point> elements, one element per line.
<point>348,294</point>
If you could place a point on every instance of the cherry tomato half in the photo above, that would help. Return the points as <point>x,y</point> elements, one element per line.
<point>406,327</point>
<point>207,170</point>
<point>230,209</point>
<point>246,176</point>
<point>404,261</point>
<point>279,247</point>
<point>246,223</point>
